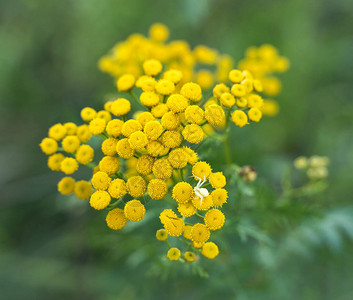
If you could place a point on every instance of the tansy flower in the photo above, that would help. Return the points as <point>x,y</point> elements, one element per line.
<point>120,107</point>
<point>161,235</point>
<point>204,79</point>
<point>166,214</point>
<point>54,161</point>
<point>159,110</point>
<point>84,154</point>
<point>136,186</point>
<point>100,200</point>
<point>198,245</point>
<point>149,99</point>
<point>173,75</point>
<point>70,143</point>
<point>187,232</point>
<point>124,150</point>
<point>134,210</point>
<point>193,133</point>
<point>109,164</point>
<point>191,91</point>
<point>214,114</point>
<point>200,233</point>
<point>219,90</point>
<point>83,133</point>
<point>210,250</point>
<point>242,102</point>
<point>144,164</point>
<point>192,155</point>
<point>189,256</point>
<point>205,204</point>
<point>100,181</point>
<point>159,32</point>
<point>109,146</point>
<point>238,90</point>
<point>162,168</point>
<point>69,165</point>
<point>108,106</point>
<point>201,170</point>
<point>183,192</point>
<point>219,197</point>
<point>156,148</point>
<point>144,118</point>
<point>173,254</point>
<point>177,103</point>
<point>269,108</point>
<point>130,127</point>
<point>255,100</point>
<point>214,219</point>
<point>66,185</point>
<point>49,146</point>
<point>172,138</point>
<point>174,226</point>
<point>186,209</point>
<point>248,84</point>
<point>88,114</point>
<point>153,130</point>
<point>146,83</point>
<point>152,67</point>
<point>227,99</point>
<point>217,180</point>
<point>97,126</point>
<point>125,82</point>
<point>116,219</point>
<point>258,86</point>
<point>194,114</point>
<point>239,118</point>
<point>178,158</point>
<point>57,131</point>
<point>236,76</point>
<point>114,127</point>
<point>117,188</point>
<point>170,121</point>
<point>138,140</point>
<point>83,189</point>
<point>102,114</point>
<point>255,114</point>
<point>71,128</point>
<point>165,86</point>
<point>157,189</point>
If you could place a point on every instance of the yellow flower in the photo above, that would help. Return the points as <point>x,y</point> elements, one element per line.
<point>258,86</point>
<point>120,107</point>
<point>57,132</point>
<point>157,189</point>
<point>239,118</point>
<point>189,256</point>
<point>134,210</point>
<point>149,99</point>
<point>152,67</point>
<point>144,117</point>
<point>236,76</point>
<point>69,165</point>
<point>109,165</point>
<point>136,186</point>
<point>156,148</point>
<point>193,133</point>
<point>238,90</point>
<point>170,121</point>
<point>159,110</point>
<point>173,254</point>
<point>204,79</point>
<point>70,143</point>
<point>227,99</point>
<point>83,189</point>
<point>161,235</point>
<point>177,103</point>
<point>186,209</point>
<point>125,82</point>
<point>194,114</point>
<point>97,126</point>
<point>130,127</point>
<point>162,168</point>
<point>198,245</point>
<point>49,146</point>
<point>109,146</point>
<point>100,200</point>
<point>146,83</point>
<point>108,106</point>
<point>187,232</point>
<point>71,128</point>
<point>117,188</point>
<point>66,185</point>
<point>270,108</point>
<point>159,32</point>
<point>114,127</point>
<point>217,180</point>
<point>219,197</point>
<point>210,250</point>
<point>205,204</point>
<point>271,86</point>
<point>153,130</point>
<point>84,154</point>
<point>242,102</point>
<point>201,169</point>
<point>171,138</point>
<point>138,140</point>
<point>83,133</point>
<point>144,164</point>
<point>254,114</point>
<point>191,91</point>
<point>214,219</point>
<point>255,100</point>
<point>173,75</point>
<point>104,115</point>
<point>100,181</point>
<point>183,192</point>
<point>173,225</point>
<point>116,219</point>
<point>178,158</point>
<point>165,86</point>
<point>88,114</point>
<point>54,161</point>
<point>200,233</point>
<point>214,114</point>
<point>124,149</point>
<point>219,90</point>
<point>192,155</point>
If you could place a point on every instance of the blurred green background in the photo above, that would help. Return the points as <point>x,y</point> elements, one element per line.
<point>52,247</point>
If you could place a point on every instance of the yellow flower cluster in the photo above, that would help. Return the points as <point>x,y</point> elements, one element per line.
<point>314,166</point>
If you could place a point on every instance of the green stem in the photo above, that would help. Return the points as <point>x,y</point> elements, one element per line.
<point>134,97</point>
<point>200,216</point>
<point>227,148</point>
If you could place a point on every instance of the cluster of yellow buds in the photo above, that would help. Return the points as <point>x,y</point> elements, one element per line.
<point>153,154</point>
<point>314,166</point>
